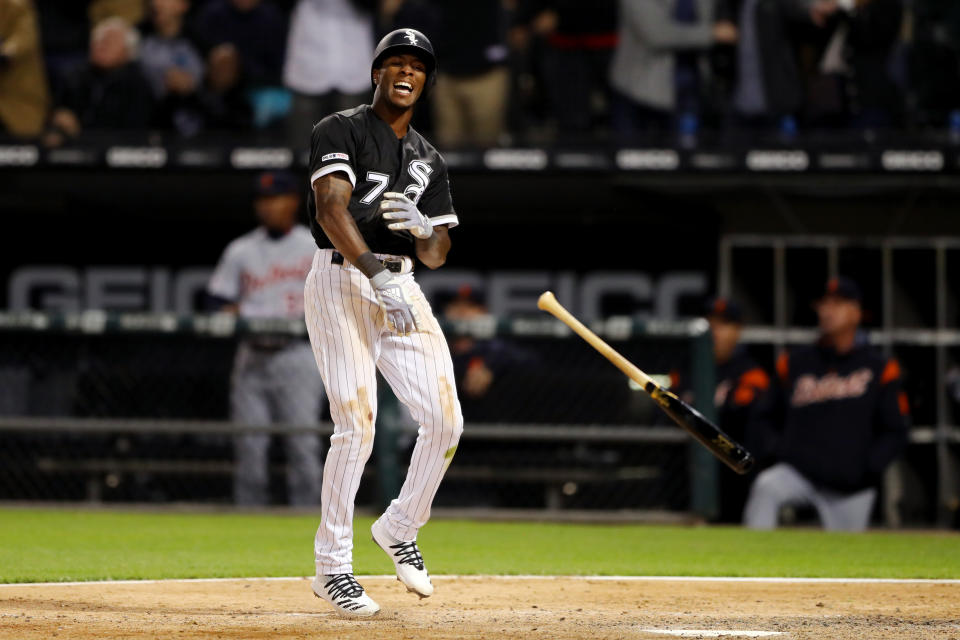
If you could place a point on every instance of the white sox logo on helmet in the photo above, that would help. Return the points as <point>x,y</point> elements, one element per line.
<point>411,36</point>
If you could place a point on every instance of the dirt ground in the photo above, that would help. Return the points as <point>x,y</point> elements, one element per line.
<point>477,607</point>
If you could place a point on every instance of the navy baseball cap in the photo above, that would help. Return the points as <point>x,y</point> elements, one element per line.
<point>725,309</point>
<point>274,183</point>
<point>841,287</point>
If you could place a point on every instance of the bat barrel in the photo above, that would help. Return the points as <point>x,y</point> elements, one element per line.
<point>686,417</point>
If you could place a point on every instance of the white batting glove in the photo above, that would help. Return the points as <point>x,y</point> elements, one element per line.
<point>397,206</point>
<point>396,302</point>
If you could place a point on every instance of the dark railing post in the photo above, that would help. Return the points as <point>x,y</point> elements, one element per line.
<point>385,444</point>
<point>704,497</point>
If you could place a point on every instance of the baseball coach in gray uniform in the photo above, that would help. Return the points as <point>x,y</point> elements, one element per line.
<point>275,378</point>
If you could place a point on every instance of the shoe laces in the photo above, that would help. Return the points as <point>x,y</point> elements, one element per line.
<point>408,553</point>
<point>343,585</point>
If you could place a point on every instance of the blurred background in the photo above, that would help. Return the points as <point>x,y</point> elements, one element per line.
<point>640,158</point>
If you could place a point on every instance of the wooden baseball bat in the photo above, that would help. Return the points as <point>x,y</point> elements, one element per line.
<point>708,434</point>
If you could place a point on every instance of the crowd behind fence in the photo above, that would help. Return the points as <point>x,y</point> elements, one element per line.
<point>511,70</point>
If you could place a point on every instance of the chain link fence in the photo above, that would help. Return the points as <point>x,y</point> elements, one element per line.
<point>136,408</point>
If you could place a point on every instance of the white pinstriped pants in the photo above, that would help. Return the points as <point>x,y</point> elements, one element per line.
<point>351,342</point>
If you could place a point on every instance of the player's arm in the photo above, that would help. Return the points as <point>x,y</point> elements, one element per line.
<point>224,290</point>
<point>433,251</point>
<point>401,214</point>
<point>332,196</point>
<point>892,419</point>
<point>332,144</point>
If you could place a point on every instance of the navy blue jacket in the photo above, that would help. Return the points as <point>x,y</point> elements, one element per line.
<point>846,415</point>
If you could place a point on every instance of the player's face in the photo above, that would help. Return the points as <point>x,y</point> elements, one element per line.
<point>401,79</point>
<point>109,49</point>
<point>726,335</point>
<point>279,212</point>
<point>838,315</point>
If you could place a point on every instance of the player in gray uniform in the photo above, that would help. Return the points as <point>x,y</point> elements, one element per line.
<point>275,378</point>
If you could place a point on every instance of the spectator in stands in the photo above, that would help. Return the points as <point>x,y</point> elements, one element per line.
<point>327,64</point>
<point>656,68</point>
<point>768,90</point>
<point>256,29</point>
<point>275,377</point>
<point>852,85</point>
<point>132,11</point>
<point>107,92</point>
<point>846,420</point>
<point>470,99</point>
<point>935,62</point>
<point>24,97</point>
<point>65,26</point>
<point>65,34</point>
<point>580,38</point>
<point>173,66</point>
<point>223,99</point>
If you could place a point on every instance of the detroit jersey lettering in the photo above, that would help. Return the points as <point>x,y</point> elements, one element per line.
<point>364,147</point>
<point>265,275</point>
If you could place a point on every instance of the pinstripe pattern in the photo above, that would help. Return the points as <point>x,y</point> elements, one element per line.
<point>351,342</point>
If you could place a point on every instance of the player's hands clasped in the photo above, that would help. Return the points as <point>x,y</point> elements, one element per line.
<point>397,206</point>
<point>396,302</point>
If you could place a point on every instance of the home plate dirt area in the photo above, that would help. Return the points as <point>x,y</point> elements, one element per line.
<point>488,607</point>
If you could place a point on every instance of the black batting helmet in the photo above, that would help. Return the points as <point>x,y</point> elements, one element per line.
<point>406,41</point>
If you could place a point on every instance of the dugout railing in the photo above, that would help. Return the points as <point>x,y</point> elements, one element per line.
<point>113,407</point>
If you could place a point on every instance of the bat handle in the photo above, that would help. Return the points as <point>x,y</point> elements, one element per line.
<point>549,303</point>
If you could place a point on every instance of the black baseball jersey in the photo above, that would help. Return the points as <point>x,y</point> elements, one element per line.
<point>364,147</point>
<point>744,400</point>
<point>846,415</point>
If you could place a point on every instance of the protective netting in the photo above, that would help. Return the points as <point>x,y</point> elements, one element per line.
<point>139,409</point>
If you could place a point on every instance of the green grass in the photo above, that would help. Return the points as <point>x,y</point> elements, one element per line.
<point>56,545</point>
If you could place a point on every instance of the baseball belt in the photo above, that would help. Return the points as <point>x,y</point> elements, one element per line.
<point>395,266</point>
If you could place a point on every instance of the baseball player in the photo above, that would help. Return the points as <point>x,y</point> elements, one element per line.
<point>743,398</point>
<point>274,379</point>
<point>381,198</point>
<point>846,420</point>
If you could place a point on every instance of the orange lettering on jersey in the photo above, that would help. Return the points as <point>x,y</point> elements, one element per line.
<point>903,403</point>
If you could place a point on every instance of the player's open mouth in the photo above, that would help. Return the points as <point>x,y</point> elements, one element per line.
<point>403,87</point>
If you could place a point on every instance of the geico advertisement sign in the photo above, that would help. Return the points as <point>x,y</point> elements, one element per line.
<point>164,289</point>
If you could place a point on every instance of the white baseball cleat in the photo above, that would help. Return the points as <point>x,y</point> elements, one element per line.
<point>346,595</point>
<point>406,559</point>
